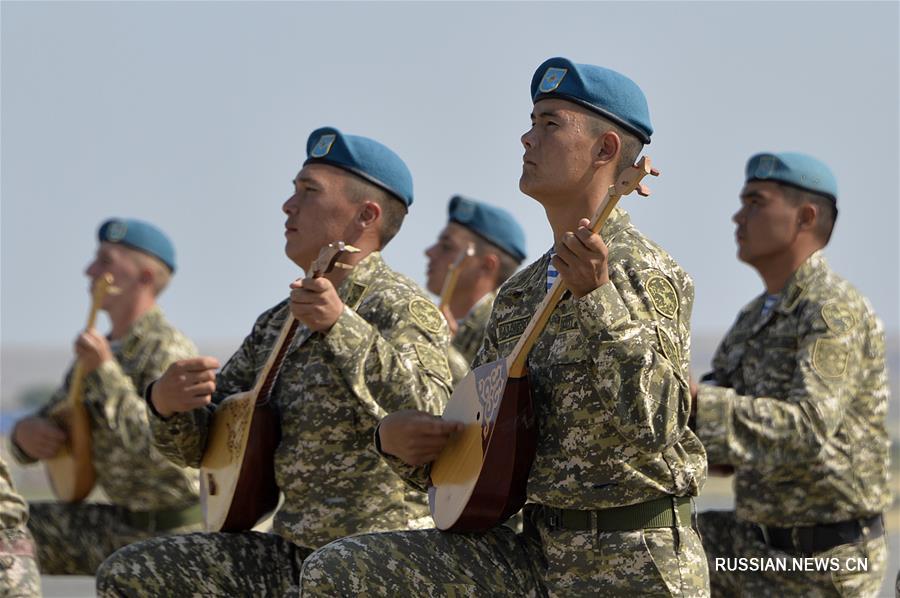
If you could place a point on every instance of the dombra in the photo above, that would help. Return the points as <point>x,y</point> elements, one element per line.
<point>71,472</point>
<point>481,476</point>
<point>237,472</point>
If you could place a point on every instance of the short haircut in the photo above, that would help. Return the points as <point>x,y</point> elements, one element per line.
<point>631,146</point>
<point>161,273</point>
<point>393,210</point>
<point>826,214</point>
<point>508,264</point>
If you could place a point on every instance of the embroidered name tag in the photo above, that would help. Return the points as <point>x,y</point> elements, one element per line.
<point>511,329</point>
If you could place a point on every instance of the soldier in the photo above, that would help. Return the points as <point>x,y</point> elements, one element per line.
<point>147,494</point>
<point>796,401</point>
<point>370,342</point>
<point>19,574</point>
<point>499,244</point>
<point>610,490</point>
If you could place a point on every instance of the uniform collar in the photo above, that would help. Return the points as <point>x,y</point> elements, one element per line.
<point>149,321</point>
<point>797,284</point>
<point>791,294</point>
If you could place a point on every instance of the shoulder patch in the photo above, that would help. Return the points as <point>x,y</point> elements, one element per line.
<point>838,317</point>
<point>669,348</point>
<point>663,295</point>
<point>426,314</point>
<point>830,357</point>
<point>433,360</point>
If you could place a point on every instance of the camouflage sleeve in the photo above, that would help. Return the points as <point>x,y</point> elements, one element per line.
<point>407,369</point>
<point>793,428</point>
<point>117,406</point>
<point>639,343</point>
<point>18,454</point>
<point>58,396</point>
<point>182,437</point>
<point>419,477</point>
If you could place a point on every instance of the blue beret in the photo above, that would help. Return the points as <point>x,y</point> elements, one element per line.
<point>794,169</point>
<point>494,224</point>
<point>608,93</point>
<point>364,157</point>
<point>141,236</point>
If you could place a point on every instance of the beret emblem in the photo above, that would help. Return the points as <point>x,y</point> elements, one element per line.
<point>323,146</point>
<point>552,78</point>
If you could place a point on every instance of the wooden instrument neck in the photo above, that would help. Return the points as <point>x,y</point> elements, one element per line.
<point>103,286</point>
<point>452,277</point>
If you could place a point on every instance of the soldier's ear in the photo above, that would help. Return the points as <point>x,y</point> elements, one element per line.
<point>490,263</point>
<point>146,277</point>
<point>369,214</point>
<point>607,148</point>
<point>807,215</point>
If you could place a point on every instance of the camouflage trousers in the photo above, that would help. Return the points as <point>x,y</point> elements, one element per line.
<point>732,545</point>
<point>539,561</point>
<point>19,574</point>
<point>203,564</point>
<point>73,539</point>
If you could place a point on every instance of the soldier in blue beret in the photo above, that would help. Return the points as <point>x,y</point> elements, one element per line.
<point>147,494</point>
<point>796,402</point>
<point>369,342</point>
<point>610,492</point>
<point>497,245</point>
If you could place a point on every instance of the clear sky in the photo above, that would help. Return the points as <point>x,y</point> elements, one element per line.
<point>195,116</point>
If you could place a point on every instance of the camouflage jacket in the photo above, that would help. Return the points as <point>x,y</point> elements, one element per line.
<point>609,379</point>
<point>131,472</point>
<point>386,352</point>
<point>797,403</point>
<point>468,337</point>
<point>13,508</point>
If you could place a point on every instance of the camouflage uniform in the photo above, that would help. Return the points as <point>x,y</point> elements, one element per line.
<point>145,490</point>
<point>19,574</point>
<point>386,352</point>
<point>797,404</point>
<point>609,381</point>
<point>468,337</point>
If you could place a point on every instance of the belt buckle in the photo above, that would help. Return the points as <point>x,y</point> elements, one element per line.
<point>676,516</point>
<point>765,533</point>
<point>553,518</point>
<point>795,540</point>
